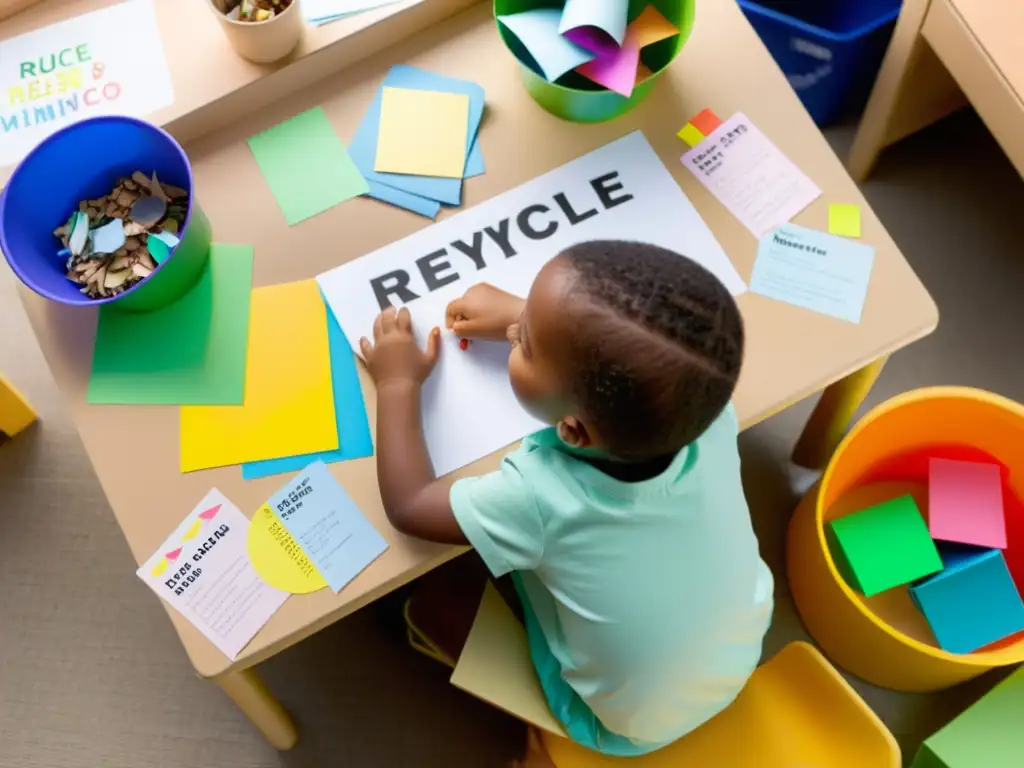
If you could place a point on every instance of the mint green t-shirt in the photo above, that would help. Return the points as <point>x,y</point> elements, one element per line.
<point>646,602</point>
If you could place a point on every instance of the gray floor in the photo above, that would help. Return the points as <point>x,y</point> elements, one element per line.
<point>92,675</point>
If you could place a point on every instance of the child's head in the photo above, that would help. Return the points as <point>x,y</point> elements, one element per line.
<point>627,347</point>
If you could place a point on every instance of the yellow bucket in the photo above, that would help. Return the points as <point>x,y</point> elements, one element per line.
<point>884,639</point>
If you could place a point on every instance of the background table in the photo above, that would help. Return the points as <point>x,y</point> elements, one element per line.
<point>791,352</point>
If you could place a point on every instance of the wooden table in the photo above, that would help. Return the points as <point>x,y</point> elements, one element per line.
<point>792,353</point>
<point>943,54</point>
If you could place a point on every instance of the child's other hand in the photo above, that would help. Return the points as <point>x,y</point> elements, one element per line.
<point>394,355</point>
<point>484,312</point>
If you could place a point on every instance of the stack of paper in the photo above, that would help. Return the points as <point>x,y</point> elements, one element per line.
<point>591,37</point>
<point>418,140</point>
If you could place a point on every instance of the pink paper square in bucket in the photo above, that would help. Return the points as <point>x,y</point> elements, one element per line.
<point>965,503</point>
<point>616,71</point>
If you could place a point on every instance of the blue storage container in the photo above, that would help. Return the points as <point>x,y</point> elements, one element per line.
<point>829,49</point>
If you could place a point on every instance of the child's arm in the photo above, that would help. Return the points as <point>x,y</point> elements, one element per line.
<point>416,502</point>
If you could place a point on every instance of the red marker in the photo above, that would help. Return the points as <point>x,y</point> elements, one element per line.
<point>463,344</point>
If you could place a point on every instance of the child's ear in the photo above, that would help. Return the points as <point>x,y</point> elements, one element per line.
<point>574,433</point>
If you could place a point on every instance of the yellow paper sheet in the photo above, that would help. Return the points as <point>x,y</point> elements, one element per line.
<point>690,135</point>
<point>844,219</point>
<point>495,665</point>
<point>278,558</point>
<point>289,403</point>
<point>422,133</point>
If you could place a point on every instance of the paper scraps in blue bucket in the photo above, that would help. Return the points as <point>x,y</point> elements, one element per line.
<point>331,530</point>
<point>552,53</point>
<point>814,270</point>
<point>354,440</point>
<point>108,238</point>
<point>429,190</point>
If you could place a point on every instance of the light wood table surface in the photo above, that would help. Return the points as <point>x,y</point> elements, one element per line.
<point>792,353</point>
<point>944,54</point>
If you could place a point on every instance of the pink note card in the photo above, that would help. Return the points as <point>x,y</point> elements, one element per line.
<point>965,503</point>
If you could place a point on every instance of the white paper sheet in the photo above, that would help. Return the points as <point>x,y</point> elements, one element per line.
<point>469,410</point>
<point>108,62</point>
<point>203,571</point>
<point>750,176</point>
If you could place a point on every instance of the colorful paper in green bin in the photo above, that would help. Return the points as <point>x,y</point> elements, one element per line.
<point>884,546</point>
<point>986,735</point>
<point>354,440</point>
<point>191,352</point>
<point>550,53</point>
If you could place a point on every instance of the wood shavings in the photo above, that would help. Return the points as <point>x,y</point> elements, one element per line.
<point>256,11</point>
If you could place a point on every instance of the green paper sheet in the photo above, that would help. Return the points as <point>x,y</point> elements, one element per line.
<point>306,166</point>
<point>189,353</point>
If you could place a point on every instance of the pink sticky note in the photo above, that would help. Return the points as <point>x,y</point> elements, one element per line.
<point>615,70</point>
<point>965,503</point>
<point>592,39</point>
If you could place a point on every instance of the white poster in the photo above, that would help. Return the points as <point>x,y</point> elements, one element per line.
<point>203,570</point>
<point>620,191</point>
<point>108,62</point>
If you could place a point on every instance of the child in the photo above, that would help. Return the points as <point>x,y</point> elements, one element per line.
<point>624,525</point>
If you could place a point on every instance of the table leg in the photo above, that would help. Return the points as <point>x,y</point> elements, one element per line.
<point>252,696</point>
<point>832,416</point>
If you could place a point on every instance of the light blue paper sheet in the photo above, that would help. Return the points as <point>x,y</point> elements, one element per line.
<point>354,440</point>
<point>814,270</point>
<point>322,11</point>
<point>327,525</point>
<point>607,15</point>
<point>537,31</point>
<point>363,148</point>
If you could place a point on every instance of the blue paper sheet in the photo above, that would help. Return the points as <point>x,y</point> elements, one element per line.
<point>814,270</point>
<point>537,32</point>
<point>363,148</point>
<point>354,440</point>
<point>327,525</point>
<point>424,206</point>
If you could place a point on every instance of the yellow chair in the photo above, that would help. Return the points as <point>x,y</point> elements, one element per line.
<point>15,412</point>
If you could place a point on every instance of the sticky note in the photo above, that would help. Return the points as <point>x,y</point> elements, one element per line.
<point>844,219</point>
<point>424,206</point>
<point>616,72</point>
<point>690,135</point>
<point>814,270</point>
<point>191,352</point>
<point>278,558</point>
<point>422,133</point>
<point>609,16</point>
<point>289,404</point>
<point>965,502</point>
<point>363,147</point>
<point>354,440</point>
<point>883,546</point>
<point>705,121</point>
<point>306,166</point>
<point>650,27</point>
<point>972,602</point>
<point>331,530</point>
<point>549,52</point>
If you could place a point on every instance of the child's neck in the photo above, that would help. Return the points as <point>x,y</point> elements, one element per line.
<point>630,472</point>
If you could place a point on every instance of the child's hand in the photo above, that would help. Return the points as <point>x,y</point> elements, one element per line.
<point>394,356</point>
<point>484,312</point>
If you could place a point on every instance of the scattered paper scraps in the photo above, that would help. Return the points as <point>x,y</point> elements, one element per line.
<point>750,176</point>
<point>814,270</point>
<point>256,11</point>
<point>327,525</point>
<point>691,135</point>
<point>616,72</point>
<point>608,16</point>
<point>354,439</point>
<point>278,558</point>
<point>191,352</point>
<point>844,219</point>
<point>965,503</point>
<point>427,191</point>
<point>108,62</point>
<point>621,190</point>
<point>320,12</point>
<point>106,243</point>
<point>306,166</point>
<point>210,579</point>
<point>544,49</point>
<point>422,133</point>
<point>289,404</point>
<point>706,122</point>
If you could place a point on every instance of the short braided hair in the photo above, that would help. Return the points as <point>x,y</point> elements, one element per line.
<point>657,349</point>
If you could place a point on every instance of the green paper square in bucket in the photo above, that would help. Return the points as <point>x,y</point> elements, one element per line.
<point>883,546</point>
<point>575,97</point>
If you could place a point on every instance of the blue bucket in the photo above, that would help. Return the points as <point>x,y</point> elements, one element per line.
<point>830,50</point>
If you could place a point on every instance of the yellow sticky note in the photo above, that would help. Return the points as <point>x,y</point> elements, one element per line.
<point>844,219</point>
<point>278,558</point>
<point>422,133</point>
<point>289,403</point>
<point>690,135</point>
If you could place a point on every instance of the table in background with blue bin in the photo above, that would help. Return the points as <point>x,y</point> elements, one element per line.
<point>830,50</point>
